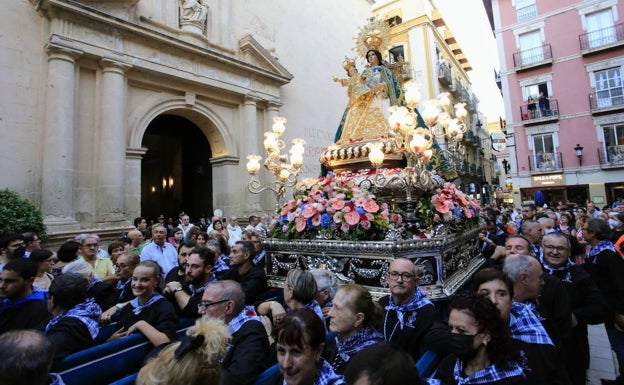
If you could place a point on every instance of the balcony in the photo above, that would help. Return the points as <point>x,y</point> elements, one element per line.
<point>611,157</point>
<point>526,13</point>
<point>445,77</point>
<point>470,139</point>
<point>607,101</point>
<point>545,162</point>
<point>532,114</point>
<point>602,39</point>
<point>533,57</point>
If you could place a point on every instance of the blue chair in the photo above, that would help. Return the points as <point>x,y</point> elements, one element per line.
<point>428,363</point>
<point>128,380</point>
<point>266,375</point>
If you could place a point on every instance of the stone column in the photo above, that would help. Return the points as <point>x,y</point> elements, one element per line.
<point>272,111</point>
<point>133,181</point>
<point>112,143</point>
<point>251,146</point>
<point>57,179</point>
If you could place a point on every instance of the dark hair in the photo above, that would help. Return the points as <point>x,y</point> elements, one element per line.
<point>383,364</point>
<point>68,251</point>
<point>24,267</point>
<point>138,220</point>
<point>29,236</point>
<point>377,53</point>
<point>115,245</point>
<point>599,227</point>
<point>531,206</point>
<point>523,237</point>
<point>225,246</point>
<point>40,255</point>
<point>7,239</point>
<point>490,274</point>
<point>69,290</point>
<point>25,357</point>
<point>207,256</point>
<point>156,269</point>
<point>301,327</point>
<point>500,349</point>
<point>248,248</point>
<point>187,244</point>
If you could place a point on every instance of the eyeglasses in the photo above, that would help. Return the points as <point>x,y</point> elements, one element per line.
<point>394,275</point>
<point>560,249</point>
<point>120,266</point>
<point>203,305</point>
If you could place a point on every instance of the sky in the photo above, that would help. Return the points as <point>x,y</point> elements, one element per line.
<point>469,24</point>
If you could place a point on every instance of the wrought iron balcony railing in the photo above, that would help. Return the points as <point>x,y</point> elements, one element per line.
<point>545,162</point>
<point>533,57</point>
<point>607,100</point>
<point>546,111</point>
<point>602,38</point>
<point>611,156</point>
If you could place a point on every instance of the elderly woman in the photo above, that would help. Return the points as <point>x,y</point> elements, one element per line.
<point>300,341</point>
<point>149,313</point>
<point>67,253</point>
<point>103,293</point>
<point>489,356</point>
<point>354,317</point>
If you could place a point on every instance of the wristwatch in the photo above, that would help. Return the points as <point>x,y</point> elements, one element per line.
<point>119,306</point>
<point>177,289</point>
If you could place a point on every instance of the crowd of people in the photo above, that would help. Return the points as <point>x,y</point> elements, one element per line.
<point>547,275</point>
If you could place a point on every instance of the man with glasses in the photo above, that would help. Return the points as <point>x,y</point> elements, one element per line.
<point>249,350</point>
<point>235,231</point>
<point>102,267</point>
<point>586,302</point>
<point>409,314</point>
<point>31,242</point>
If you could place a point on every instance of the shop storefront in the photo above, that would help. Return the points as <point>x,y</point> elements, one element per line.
<point>554,189</point>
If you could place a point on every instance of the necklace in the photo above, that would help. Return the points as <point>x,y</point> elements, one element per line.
<point>385,329</point>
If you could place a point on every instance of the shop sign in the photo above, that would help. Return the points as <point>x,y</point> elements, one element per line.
<point>499,140</point>
<point>548,180</point>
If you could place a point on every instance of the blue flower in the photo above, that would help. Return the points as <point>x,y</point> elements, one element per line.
<point>283,220</point>
<point>360,210</point>
<point>309,224</point>
<point>326,220</point>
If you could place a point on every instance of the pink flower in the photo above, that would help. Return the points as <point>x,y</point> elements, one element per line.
<point>344,227</point>
<point>368,216</point>
<point>359,201</point>
<point>352,218</point>
<point>316,219</point>
<point>337,203</point>
<point>309,211</point>
<point>371,206</point>
<point>300,224</point>
<point>285,228</point>
<point>338,217</point>
<point>365,225</point>
<point>397,218</point>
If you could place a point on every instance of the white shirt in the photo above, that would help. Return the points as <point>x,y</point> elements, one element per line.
<point>166,256</point>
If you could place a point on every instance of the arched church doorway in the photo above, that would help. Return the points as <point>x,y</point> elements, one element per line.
<point>175,171</point>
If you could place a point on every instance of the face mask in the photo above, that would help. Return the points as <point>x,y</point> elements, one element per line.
<point>614,223</point>
<point>549,231</point>
<point>461,344</point>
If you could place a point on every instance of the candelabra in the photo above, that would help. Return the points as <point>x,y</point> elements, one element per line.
<point>285,170</point>
<point>415,143</point>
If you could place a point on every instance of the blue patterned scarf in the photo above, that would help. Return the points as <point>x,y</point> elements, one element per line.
<point>316,308</point>
<point>603,245</point>
<point>327,376</point>
<point>419,300</point>
<point>87,312</point>
<point>526,327</point>
<point>137,308</point>
<point>487,375</point>
<point>348,347</point>
<point>201,289</point>
<point>550,269</point>
<point>247,314</point>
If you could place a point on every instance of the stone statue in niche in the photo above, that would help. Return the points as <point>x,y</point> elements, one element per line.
<point>193,11</point>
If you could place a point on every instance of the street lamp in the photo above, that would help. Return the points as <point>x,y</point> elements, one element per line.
<point>506,166</point>
<point>579,153</point>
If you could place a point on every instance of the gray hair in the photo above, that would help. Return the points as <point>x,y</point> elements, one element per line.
<point>325,279</point>
<point>516,265</point>
<point>557,235</point>
<point>81,267</point>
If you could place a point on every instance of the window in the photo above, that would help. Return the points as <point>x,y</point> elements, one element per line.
<point>614,143</point>
<point>526,10</point>
<point>600,29</point>
<point>531,47</point>
<point>395,53</point>
<point>544,152</point>
<point>608,85</point>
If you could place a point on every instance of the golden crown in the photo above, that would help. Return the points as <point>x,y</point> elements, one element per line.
<point>374,35</point>
<point>348,63</point>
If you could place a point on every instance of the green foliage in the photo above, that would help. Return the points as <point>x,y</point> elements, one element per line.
<point>18,215</point>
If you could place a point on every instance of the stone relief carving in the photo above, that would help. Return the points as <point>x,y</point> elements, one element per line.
<point>193,11</point>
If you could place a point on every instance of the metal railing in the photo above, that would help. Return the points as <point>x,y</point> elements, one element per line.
<point>545,111</point>
<point>606,99</point>
<point>602,37</point>
<point>533,56</point>
<point>444,75</point>
<point>545,162</point>
<point>526,13</point>
<point>611,155</point>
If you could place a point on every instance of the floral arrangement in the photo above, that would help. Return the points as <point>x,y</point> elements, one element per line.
<point>335,207</point>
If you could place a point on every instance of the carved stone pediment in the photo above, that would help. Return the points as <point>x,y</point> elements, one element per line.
<point>254,53</point>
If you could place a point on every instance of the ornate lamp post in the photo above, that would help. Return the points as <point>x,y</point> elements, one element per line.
<point>579,153</point>
<point>285,169</point>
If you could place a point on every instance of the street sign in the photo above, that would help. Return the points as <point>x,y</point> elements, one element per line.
<point>499,140</point>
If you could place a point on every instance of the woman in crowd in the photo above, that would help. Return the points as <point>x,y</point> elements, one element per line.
<point>192,234</point>
<point>67,253</point>
<point>202,238</point>
<point>149,313</point>
<point>567,223</point>
<point>177,238</point>
<point>223,260</point>
<point>196,360</point>
<point>115,249</point>
<point>299,292</point>
<point>382,364</point>
<point>123,269</point>
<point>354,317</point>
<point>103,293</point>
<point>489,356</point>
<point>300,338</point>
<point>219,228</point>
<point>44,259</point>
